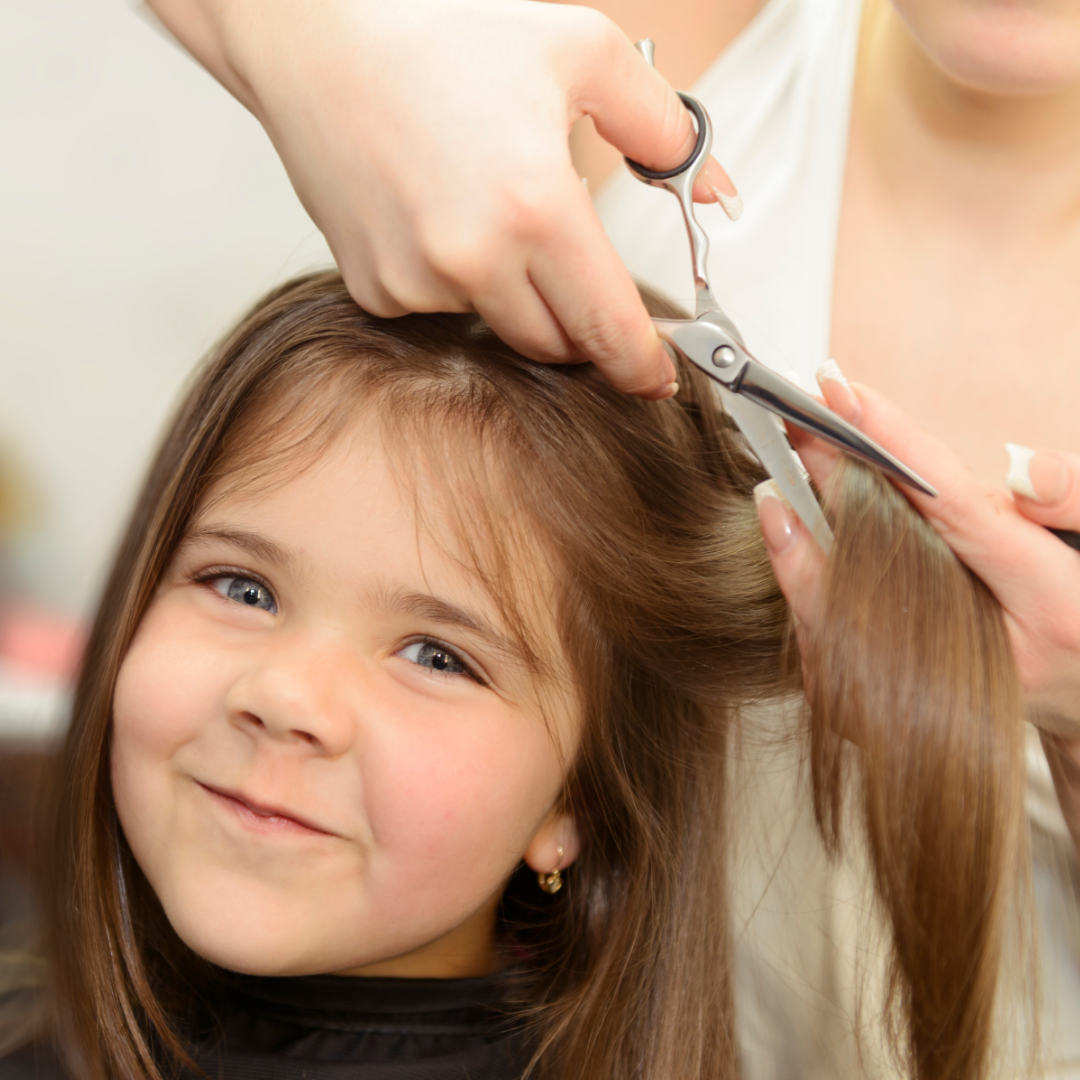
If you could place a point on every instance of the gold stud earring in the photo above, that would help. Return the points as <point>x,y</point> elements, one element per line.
<point>551,883</point>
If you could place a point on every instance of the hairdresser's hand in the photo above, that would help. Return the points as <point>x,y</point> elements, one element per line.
<point>997,533</point>
<point>428,139</point>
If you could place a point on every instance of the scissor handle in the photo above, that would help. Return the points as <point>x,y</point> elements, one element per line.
<point>693,163</point>
<point>680,181</point>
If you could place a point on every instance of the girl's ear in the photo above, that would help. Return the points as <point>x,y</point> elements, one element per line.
<point>558,830</point>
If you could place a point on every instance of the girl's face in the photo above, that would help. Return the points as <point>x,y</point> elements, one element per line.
<point>327,755</point>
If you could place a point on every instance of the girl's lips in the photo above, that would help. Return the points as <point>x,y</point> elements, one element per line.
<point>262,818</point>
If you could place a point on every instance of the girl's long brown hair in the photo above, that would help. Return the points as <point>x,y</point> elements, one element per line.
<point>671,619</point>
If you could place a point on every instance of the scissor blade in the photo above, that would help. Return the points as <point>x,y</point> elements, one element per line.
<point>768,442</point>
<point>786,399</point>
<point>706,302</point>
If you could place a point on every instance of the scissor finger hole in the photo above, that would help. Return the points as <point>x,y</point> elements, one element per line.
<point>701,122</point>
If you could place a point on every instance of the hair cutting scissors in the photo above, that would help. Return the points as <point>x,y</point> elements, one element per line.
<point>751,393</point>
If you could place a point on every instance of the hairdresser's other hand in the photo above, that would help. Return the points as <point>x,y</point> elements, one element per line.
<point>428,139</point>
<point>998,534</point>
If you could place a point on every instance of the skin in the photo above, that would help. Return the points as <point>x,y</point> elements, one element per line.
<point>958,254</point>
<point>303,790</point>
<point>964,167</point>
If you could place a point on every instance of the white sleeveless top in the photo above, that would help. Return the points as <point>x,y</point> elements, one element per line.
<point>805,934</point>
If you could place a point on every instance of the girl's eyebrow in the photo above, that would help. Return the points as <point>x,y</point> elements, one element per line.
<point>251,542</point>
<point>435,609</point>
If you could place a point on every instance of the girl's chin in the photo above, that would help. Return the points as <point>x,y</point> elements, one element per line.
<point>256,935</point>
<point>251,957</point>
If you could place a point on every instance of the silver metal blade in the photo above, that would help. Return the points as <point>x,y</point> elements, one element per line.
<point>705,301</point>
<point>787,400</point>
<point>771,447</point>
<point>713,344</point>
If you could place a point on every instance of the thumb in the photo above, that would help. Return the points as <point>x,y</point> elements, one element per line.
<point>1045,485</point>
<point>634,109</point>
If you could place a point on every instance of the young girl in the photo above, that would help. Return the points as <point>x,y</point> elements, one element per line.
<point>399,749</point>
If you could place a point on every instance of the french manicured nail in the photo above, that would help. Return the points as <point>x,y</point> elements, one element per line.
<point>831,370</point>
<point>1037,475</point>
<point>723,190</point>
<point>732,205</point>
<point>777,520</point>
<point>662,393</point>
<point>841,398</point>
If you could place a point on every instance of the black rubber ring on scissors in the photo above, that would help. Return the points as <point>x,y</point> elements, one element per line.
<point>650,174</point>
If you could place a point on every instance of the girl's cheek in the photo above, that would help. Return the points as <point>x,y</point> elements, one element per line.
<point>462,795</point>
<point>169,686</point>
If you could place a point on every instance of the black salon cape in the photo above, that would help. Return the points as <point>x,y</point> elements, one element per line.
<point>325,1027</point>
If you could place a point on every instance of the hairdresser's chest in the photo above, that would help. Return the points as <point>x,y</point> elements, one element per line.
<point>971,333</point>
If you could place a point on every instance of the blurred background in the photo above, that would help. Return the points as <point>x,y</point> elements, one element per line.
<point>141,211</point>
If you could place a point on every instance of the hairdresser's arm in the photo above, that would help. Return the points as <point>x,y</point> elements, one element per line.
<point>1035,577</point>
<point>428,139</point>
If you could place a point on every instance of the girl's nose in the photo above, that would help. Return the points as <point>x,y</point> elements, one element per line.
<point>301,695</point>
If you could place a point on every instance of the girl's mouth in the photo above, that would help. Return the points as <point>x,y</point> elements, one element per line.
<point>262,818</point>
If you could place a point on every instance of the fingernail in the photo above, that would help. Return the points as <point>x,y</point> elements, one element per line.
<point>723,190</point>
<point>1037,475</point>
<point>831,370</point>
<point>777,522</point>
<point>585,182</point>
<point>840,396</point>
<point>732,205</point>
<point>663,392</point>
<point>1019,476</point>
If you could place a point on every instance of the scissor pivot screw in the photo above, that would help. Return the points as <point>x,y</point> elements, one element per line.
<point>724,356</point>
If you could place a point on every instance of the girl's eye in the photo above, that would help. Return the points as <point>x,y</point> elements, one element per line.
<point>436,657</point>
<point>246,591</point>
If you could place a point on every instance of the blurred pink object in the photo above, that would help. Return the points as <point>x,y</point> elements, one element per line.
<point>40,642</point>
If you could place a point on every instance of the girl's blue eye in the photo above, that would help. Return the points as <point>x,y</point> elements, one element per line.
<point>436,657</point>
<point>246,591</point>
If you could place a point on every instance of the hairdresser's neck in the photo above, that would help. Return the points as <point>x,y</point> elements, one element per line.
<point>963,156</point>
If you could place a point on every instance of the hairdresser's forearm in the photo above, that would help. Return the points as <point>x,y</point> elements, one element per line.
<point>207,29</point>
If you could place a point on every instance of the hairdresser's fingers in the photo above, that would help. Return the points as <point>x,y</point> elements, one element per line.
<point>1035,577</point>
<point>591,294</point>
<point>636,111</point>
<point>797,561</point>
<point>1045,486</point>
<point>523,319</point>
<point>980,523</point>
<point>962,498</point>
<point>1046,627</point>
<point>820,458</point>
